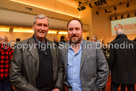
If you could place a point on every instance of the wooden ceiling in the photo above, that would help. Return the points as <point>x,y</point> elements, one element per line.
<point>121,6</point>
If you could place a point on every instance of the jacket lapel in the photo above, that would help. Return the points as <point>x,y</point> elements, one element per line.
<point>84,51</point>
<point>34,53</point>
<point>65,58</point>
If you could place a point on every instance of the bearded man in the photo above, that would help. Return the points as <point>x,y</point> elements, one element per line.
<point>85,66</point>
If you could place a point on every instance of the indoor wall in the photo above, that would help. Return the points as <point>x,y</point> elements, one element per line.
<point>101,26</point>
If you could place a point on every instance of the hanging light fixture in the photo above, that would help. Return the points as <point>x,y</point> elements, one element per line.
<point>115,8</point>
<point>122,16</point>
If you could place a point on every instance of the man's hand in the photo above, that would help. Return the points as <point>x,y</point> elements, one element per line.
<point>56,89</point>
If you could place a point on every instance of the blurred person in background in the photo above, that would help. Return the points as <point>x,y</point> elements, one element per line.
<point>62,39</point>
<point>6,54</point>
<point>122,62</point>
<point>93,38</point>
<point>134,39</point>
<point>56,41</point>
<point>66,39</point>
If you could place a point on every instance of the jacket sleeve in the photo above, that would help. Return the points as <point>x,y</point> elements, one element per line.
<point>102,69</point>
<point>16,75</point>
<point>59,82</point>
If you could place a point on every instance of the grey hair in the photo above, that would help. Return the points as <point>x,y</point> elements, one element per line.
<point>119,31</point>
<point>41,16</point>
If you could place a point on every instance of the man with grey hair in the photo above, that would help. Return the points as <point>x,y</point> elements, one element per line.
<point>119,31</point>
<point>37,68</point>
<point>122,62</point>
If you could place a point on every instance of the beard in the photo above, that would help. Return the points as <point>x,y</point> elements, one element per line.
<point>75,40</point>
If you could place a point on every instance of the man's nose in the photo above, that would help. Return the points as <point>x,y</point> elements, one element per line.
<point>74,31</point>
<point>42,27</point>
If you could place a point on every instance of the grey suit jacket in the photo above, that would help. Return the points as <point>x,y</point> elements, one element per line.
<point>25,66</point>
<point>94,69</point>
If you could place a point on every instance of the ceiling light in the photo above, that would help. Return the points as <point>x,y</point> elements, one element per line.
<point>98,3</point>
<point>4,29</point>
<point>121,16</point>
<point>63,32</point>
<point>109,11</point>
<point>120,3</point>
<point>127,4</point>
<point>105,10</point>
<point>90,5</point>
<point>115,8</point>
<point>79,3</point>
<point>110,18</point>
<point>20,30</point>
<point>79,8</point>
<point>83,7</point>
<point>97,12</point>
<point>128,15</point>
<point>95,3</point>
<point>52,32</point>
<point>102,1</point>
<point>115,17</point>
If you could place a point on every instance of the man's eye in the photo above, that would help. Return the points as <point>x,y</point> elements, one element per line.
<point>77,29</point>
<point>70,29</point>
<point>39,24</point>
<point>45,25</point>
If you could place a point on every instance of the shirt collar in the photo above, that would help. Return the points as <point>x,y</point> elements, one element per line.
<point>38,41</point>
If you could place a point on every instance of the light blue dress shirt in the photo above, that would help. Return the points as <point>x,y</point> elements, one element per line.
<point>73,68</point>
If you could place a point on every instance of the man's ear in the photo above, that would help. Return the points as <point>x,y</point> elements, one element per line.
<point>33,26</point>
<point>82,29</point>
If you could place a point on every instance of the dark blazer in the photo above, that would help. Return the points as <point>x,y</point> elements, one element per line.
<point>122,60</point>
<point>94,69</point>
<point>25,65</point>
